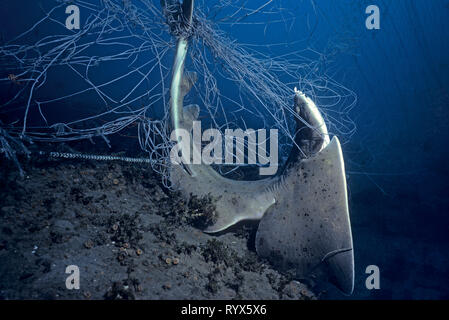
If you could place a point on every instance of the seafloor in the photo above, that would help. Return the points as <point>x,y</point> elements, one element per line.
<point>130,238</point>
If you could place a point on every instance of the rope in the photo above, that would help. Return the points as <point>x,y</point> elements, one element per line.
<point>66,155</point>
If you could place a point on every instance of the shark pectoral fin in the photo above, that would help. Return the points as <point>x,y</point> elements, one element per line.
<point>309,225</point>
<point>189,115</point>
<point>191,112</point>
<point>233,200</point>
<point>340,268</point>
<point>235,206</point>
<point>187,82</point>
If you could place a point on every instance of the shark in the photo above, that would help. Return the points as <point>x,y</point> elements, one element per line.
<point>303,213</point>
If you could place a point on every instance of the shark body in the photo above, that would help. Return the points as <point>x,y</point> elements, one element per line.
<point>305,224</point>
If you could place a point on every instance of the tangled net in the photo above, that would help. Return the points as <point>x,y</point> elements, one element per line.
<point>118,67</point>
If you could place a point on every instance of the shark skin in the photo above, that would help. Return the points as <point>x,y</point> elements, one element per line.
<point>235,201</point>
<point>309,225</point>
<point>304,212</point>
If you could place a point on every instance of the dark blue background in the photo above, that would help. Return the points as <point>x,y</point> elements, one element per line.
<point>397,160</point>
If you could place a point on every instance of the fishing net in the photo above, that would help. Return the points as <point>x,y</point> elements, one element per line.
<point>113,74</point>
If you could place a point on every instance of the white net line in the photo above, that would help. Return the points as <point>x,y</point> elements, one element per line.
<point>134,34</point>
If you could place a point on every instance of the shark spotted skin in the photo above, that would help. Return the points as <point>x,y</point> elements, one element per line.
<point>309,226</point>
<point>304,213</point>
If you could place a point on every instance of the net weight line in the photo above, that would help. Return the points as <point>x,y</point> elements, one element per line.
<point>82,156</point>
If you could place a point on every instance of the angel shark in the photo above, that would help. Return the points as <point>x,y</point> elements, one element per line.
<point>303,211</point>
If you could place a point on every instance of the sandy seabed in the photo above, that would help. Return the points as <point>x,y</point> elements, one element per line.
<point>129,237</point>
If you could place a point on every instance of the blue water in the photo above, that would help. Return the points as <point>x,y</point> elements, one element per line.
<point>397,160</point>
<point>400,213</point>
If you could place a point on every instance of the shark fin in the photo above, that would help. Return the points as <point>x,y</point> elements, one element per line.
<point>190,114</point>
<point>309,224</point>
<point>188,81</point>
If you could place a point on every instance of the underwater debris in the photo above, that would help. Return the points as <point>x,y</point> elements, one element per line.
<point>217,252</point>
<point>14,78</point>
<point>109,230</point>
<point>199,212</point>
<point>88,244</point>
<point>125,230</point>
<point>202,211</point>
<point>119,291</point>
<point>185,248</point>
<point>9,146</point>
<point>295,289</point>
<point>163,232</point>
<point>167,286</point>
<point>213,284</point>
